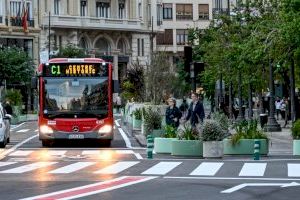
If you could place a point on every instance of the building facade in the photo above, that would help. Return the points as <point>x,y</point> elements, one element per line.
<point>11,30</point>
<point>116,30</point>
<point>178,16</point>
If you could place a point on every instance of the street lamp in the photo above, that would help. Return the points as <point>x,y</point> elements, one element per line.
<point>272,124</point>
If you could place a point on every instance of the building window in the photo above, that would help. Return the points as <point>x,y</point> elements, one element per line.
<point>167,11</point>
<point>16,13</point>
<point>68,7</point>
<point>181,36</point>
<point>122,13</point>
<point>159,15</point>
<point>142,47</point>
<point>184,11</point>
<point>102,9</point>
<point>165,38</point>
<point>138,47</point>
<point>83,8</point>
<point>56,7</point>
<point>46,5</point>
<point>15,9</point>
<point>204,11</point>
<point>140,10</point>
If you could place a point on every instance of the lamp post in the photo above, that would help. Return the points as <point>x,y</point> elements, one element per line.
<point>49,36</point>
<point>272,124</point>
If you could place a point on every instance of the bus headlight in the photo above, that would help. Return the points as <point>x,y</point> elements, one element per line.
<point>44,129</point>
<point>105,129</point>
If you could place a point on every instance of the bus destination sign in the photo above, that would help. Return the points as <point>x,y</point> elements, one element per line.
<point>75,70</point>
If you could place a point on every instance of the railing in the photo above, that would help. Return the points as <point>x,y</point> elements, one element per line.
<point>218,11</point>
<point>184,17</point>
<point>203,16</point>
<point>17,21</point>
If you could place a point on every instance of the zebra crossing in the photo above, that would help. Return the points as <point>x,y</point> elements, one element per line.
<point>157,168</point>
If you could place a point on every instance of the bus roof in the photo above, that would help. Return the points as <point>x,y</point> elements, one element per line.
<point>76,60</point>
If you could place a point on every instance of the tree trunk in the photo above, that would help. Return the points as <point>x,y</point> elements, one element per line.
<point>292,89</point>
<point>230,101</point>
<point>250,111</point>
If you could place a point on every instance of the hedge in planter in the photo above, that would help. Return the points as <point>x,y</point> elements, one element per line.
<point>242,142</point>
<point>212,135</point>
<point>152,122</point>
<point>296,137</point>
<point>137,119</point>
<point>163,144</point>
<point>188,142</point>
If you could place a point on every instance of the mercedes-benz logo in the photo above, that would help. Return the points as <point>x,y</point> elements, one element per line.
<point>75,129</point>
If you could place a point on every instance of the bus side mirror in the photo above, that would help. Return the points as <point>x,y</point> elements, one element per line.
<point>34,83</point>
<point>115,86</point>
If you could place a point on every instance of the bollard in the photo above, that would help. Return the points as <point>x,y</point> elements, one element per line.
<point>256,149</point>
<point>150,145</point>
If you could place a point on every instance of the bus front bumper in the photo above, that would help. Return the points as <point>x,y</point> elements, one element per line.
<point>76,135</point>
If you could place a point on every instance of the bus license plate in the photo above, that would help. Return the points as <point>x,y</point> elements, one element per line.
<point>76,136</point>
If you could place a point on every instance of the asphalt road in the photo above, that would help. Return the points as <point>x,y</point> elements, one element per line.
<point>84,171</point>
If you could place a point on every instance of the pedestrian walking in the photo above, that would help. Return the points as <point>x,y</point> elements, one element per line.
<point>196,110</point>
<point>8,108</point>
<point>283,107</point>
<point>278,103</point>
<point>173,114</point>
<point>184,107</point>
<point>286,111</point>
<point>118,103</point>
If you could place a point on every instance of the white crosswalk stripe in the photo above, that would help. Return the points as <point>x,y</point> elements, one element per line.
<point>21,153</point>
<point>293,170</point>
<point>72,168</point>
<point>117,167</point>
<point>2,164</point>
<point>253,169</point>
<point>23,130</point>
<point>207,169</point>
<point>27,168</point>
<point>162,168</point>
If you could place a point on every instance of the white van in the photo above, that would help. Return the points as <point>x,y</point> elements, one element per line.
<point>4,127</point>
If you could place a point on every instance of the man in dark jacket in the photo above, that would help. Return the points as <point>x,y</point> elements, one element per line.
<point>8,108</point>
<point>196,110</point>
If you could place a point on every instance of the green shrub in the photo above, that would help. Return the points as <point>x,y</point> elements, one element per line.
<point>152,119</point>
<point>14,97</point>
<point>170,132</point>
<point>296,130</point>
<point>138,114</point>
<point>212,131</point>
<point>222,119</point>
<point>187,132</point>
<point>247,130</point>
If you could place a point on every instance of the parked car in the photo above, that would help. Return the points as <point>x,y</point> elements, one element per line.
<point>4,127</point>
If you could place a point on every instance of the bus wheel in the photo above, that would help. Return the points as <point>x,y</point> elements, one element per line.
<point>46,143</point>
<point>105,143</point>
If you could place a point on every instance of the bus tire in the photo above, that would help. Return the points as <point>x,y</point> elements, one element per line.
<point>105,143</point>
<point>46,143</point>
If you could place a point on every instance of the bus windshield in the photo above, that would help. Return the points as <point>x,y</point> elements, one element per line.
<point>72,97</point>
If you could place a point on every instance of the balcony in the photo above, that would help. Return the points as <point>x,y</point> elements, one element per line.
<point>17,21</point>
<point>79,22</point>
<point>218,11</point>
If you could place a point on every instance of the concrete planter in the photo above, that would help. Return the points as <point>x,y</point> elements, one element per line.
<point>163,145</point>
<point>186,147</point>
<point>137,124</point>
<point>213,149</point>
<point>296,147</point>
<point>244,147</point>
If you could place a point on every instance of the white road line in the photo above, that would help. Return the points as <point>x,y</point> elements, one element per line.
<point>2,155</point>
<point>124,151</point>
<point>116,168</point>
<point>91,152</point>
<point>125,138</point>
<point>138,156</point>
<point>2,164</point>
<point>117,123</point>
<point>293,170</point>
<point>27,168</point>
<point>253,169</point>
<point>72,168</point>
<point>17,126</point>
<point>23,130</point>
<point>162,168</point>
<point>230,178</point>
<point>207,169</point>
<point>56,152</point>
<point>36,130</point>
<point>20,153</point>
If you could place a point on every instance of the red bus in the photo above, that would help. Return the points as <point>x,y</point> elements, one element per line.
<point>75,100</point>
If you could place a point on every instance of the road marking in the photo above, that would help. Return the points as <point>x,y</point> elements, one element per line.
<point>230,178</point>
<point>20,153</point>
<point>2,164</point>
<point>72,168</point>
<point>91,152</point>
<point>207,169</point>
<point>3,154</point>
<point>293,170</point>
<point>17,126</point>
<point>116,168</point>
<point>92,189</point>
<point>36,130</point>
<point>253,169</point>
<point>138,156</point>
<point>125,138</point>
<point>55,152</point>
<point>27,168</point>
<point>23,130</point>
<point>162,168</point>
<point>124,151</point>
<point>241,186</point>
<point>117,123</point>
